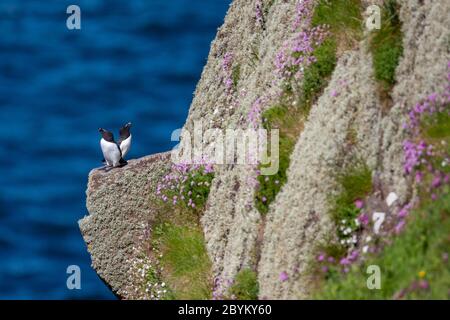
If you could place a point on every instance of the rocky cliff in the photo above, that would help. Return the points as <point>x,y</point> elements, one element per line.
<point>122,204</point>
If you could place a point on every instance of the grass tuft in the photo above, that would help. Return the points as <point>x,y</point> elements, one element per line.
<point>245,285</point>
<point>355,183</point>
<point>386,45</point>
<point>344,19</point>
<point>185,260</point>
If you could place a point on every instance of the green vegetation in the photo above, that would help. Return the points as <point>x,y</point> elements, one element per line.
<point>386,45</point>
<point>415,266</point>
<point>316,76</point>
<point>186,188</point>
<point>437,127</point>
<point>289,127</point>
<point>245,285</point>
<point>178,244</point>
<point>344,19</point>
<point>355,183</point>
<point>184,259</point>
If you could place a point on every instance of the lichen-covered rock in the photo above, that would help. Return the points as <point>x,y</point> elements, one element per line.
<point>120,210</point>
<point>298,221</point>
<point>231,223</point>
<point>421,71</point>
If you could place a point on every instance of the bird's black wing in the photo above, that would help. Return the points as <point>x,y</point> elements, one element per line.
<point>121,161</point>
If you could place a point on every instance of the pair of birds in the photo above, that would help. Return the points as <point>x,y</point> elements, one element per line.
<point>115,152</point>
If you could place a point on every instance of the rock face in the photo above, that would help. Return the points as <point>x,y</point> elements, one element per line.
<point>299,218</point>
<point>120,209</point>
<point>236,234</point>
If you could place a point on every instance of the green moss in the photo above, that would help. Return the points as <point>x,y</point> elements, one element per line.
<point>422,247</point>
<point>245,285</point>
<point>386,45</point>
<point>185,260</point>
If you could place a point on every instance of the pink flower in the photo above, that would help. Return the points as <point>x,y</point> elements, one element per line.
<point>399,226</point>
<point>423,284</point>
<point>436,183</point>
<point>419,176</point>
<point>363,219</point>
<point>283,276</point>
<point>321,257</point>
<point>403,213</point>
<point>359,204</point>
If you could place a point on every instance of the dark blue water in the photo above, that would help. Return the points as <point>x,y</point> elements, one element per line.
<point>133,60</point>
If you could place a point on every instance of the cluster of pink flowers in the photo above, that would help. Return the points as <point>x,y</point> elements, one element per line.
<point>303,13</point>
<point>219,287</point>
<point>327,261</point>
<point>254,115</point>
<point>419,155</point>
<point>297,54</point>
<point>227,63</point>
<point>179,186</point>
<point>259,14</point>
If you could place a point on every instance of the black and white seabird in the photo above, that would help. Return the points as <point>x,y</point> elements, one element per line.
<point>111,150</point>
<point>125,139</point>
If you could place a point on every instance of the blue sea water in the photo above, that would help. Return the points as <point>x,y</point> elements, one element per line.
<point>132,60</point>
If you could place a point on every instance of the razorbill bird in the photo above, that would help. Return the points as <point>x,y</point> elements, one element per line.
<point>125,139</point>
<point>111,150</point>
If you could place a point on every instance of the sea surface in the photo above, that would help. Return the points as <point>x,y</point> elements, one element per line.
<point>132,60</point>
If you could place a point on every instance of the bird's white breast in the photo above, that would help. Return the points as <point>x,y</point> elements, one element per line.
<point>111,152</point>
<point>125,146</point>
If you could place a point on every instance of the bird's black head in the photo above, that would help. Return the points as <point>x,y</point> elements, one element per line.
<point>125,131</point>
<point>108,136</point>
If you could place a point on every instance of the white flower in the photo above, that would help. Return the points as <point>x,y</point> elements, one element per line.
<point>391,198</point>
<point>368,238</point>
<point>163,284</point>
<point>365,249</point>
